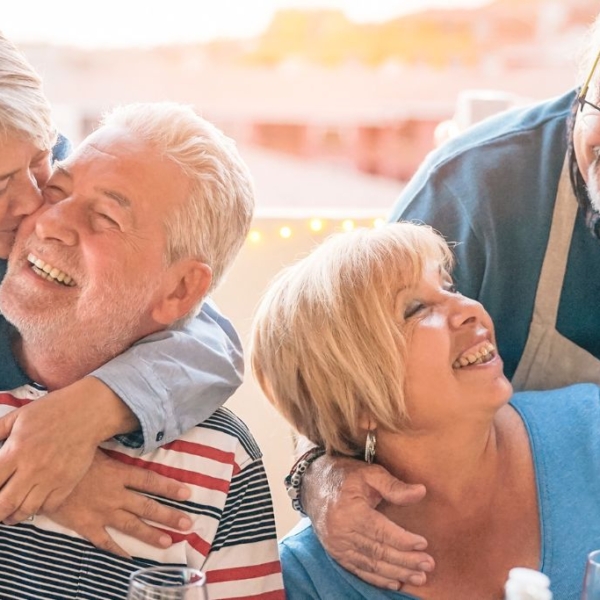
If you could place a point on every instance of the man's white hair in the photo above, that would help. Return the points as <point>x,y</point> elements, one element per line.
<point>213,224</point>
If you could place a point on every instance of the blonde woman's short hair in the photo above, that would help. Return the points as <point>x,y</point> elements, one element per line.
<point>24,109</point>
<point>213,224</point>
<point>327,347</point>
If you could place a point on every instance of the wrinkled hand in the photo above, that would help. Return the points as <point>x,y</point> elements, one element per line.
<point>106,497</point>
<point>47,451</point>
<point>340,495</point>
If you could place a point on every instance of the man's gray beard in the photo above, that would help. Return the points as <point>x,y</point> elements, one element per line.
<point>593,187</point>
<point>92,335</point>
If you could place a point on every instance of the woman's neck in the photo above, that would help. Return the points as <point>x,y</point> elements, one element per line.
<point>461,467</point>
<point>480,514</point>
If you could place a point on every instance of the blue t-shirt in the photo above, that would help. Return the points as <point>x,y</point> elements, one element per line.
<point>563,428</point>
<point>492,190</point>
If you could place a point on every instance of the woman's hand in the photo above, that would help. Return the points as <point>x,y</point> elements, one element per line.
<point>109,496</point>
<point>340,496</point>
<point>50,444</point>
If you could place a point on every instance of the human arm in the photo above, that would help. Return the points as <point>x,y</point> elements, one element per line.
<point>176,378</point>
<point>340,495</point>
<point>50,443</point>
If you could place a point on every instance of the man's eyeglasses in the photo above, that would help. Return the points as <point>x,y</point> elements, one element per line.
<point>581,98</point>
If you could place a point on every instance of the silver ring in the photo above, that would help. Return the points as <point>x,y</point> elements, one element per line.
<point>30,517</point>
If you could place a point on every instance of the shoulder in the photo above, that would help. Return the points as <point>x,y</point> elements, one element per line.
<point>309,572</point>
<point>481,157</point>
<point>231,432</point>
<point>304,563</point>
<point>561,418</point>
<point>569,399</point>
<point>506,129</point>
<point>300,540</point>
<point>221,447</point>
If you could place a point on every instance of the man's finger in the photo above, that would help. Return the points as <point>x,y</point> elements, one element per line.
<point>54,500</point>
<point>144,480</point>
<point>133,526</point>
<point>382,571</point>
<point>11,498</point>
<point>25,512</point>
<point>151,510</point>
<point>365,555</point>
<point>6,424</point>
<point>387,561</point>
<point>390,584</point>
<point>30,506</point>
<point>101,539</point>
<point>391,489</point>
<point>379,531</point>
<point>7,469</point>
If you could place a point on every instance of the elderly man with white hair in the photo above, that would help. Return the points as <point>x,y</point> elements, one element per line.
<point>137,226</point>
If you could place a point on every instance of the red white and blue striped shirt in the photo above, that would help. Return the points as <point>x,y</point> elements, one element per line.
<point>232,539</point>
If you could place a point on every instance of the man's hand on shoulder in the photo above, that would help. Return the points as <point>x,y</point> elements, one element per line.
<point>341,495</point>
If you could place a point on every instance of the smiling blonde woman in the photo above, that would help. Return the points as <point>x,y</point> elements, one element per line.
<point>367,342</point>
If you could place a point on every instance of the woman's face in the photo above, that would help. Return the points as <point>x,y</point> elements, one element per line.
<point>24,169</point>
<point>452,367</point>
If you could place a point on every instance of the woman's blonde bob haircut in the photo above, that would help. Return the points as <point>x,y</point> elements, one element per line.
<point>328,348</point>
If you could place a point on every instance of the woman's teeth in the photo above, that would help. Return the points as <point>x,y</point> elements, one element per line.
<point>49,272</point>
<point>483,354</point>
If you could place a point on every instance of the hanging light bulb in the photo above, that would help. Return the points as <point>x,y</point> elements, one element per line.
<point>285,232</point>
<point>348,225</point>
<point>378,223</point>
<point>254,236</point>
<point>316,225</point>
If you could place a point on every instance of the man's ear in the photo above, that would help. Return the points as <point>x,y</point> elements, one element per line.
<point>187,282</point>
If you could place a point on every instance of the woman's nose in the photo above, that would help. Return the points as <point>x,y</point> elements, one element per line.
<point>465,311</point>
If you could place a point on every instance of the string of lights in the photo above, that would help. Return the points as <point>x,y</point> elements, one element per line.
<point>259,234</point>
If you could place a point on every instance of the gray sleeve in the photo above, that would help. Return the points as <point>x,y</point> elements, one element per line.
<point>175,379</point>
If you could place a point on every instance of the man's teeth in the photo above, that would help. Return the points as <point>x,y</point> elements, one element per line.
<point>480,355</point>
<point>49,272</point>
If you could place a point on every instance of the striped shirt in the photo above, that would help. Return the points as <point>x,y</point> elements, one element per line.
<point>232,538</point>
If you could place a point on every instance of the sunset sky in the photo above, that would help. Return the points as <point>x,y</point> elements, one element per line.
<point>150,22</point>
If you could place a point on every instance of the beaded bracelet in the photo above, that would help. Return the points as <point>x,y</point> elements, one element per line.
<point>293,480</point>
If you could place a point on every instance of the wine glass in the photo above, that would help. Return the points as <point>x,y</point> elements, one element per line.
<point>591,582</point>
<point>167,583</point>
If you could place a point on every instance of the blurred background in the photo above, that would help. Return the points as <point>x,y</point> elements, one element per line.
<point>333,105</point>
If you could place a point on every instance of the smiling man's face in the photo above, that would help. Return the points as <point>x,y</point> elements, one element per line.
<point>90,261</point>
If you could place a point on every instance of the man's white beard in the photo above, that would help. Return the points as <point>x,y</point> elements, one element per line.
<point>593,186</point>
<point>86,334</point>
